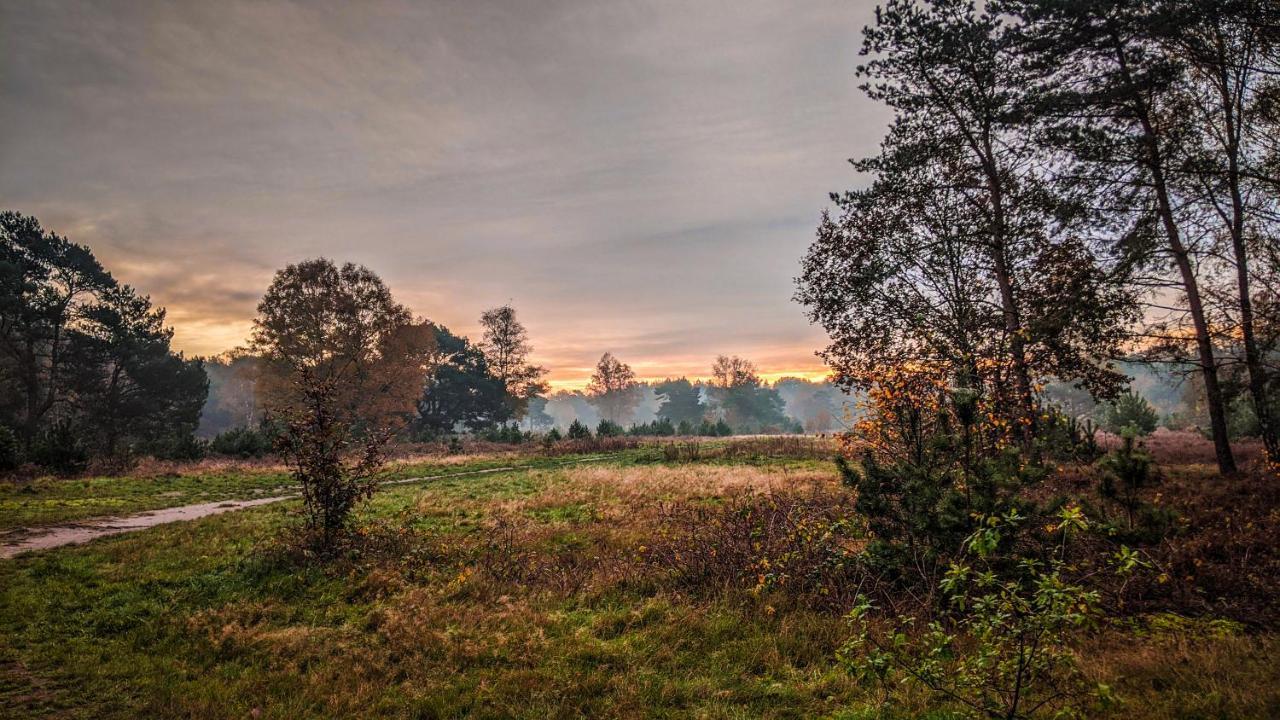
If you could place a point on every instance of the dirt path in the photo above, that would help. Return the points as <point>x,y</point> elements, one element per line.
<point>43,538</point>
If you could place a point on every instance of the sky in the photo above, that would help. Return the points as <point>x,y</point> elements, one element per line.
<point>637,177</point>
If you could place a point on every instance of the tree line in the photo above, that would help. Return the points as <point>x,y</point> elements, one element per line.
<point>88,373</point>
<point>1064,185</point>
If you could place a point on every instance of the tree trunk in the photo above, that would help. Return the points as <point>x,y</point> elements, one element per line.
<point>1252,356</point>
<point>1191,286</point>
<point>1023,395</point>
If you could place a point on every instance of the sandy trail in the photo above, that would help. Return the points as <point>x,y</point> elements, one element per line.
<point>53,536</point>
<point>24,540</point>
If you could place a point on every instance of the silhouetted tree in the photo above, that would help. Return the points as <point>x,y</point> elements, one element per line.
<point>129,387</point>
<point>613,389</point>
<point>81,351</point>
<point>961,252</point>
<point>747,405</point>
<point>1113,101</point>
<point>680,401</point>
<point>460,390</point>
<point>48,286</point>
<point>506,348</point>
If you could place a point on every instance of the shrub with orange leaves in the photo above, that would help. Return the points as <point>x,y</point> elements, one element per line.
<point>932,455</point>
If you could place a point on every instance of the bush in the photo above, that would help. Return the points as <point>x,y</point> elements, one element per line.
<point>9,456</point>
<point>722,429</point>
<point>1130,410</point>
<point>553,435</point>
<point>1064,437</point>
<point>608,428</point>
<point>178,447</point>
<point>509,434</point>
<point>939,471</point>
<point>60,449</point>
<point>661,427</point>
<point>685,428</point>
<point>578,431</point>
<point>1003,649</point>
<point>790,544</point>
<point>1126,471</point>
<point>241,442</point>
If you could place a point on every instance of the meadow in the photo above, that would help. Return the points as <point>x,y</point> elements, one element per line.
<point>671,579</point>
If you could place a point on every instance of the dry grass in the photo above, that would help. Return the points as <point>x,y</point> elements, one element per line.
<point>1188,673</point>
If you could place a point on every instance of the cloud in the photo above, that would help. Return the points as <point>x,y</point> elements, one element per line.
<point>636,176</point>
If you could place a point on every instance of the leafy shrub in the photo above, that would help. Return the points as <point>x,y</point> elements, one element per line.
<point>242,442</point>
<point>722,428</point>
<point>61,449</point>
<point>578,431</point>
<point>685,428</point>
<point>608,428</point>
<point>1001,650</point>
<point>455,445</point>
<point>553,435</point>
<point>9,456</point>
<point>707,429</point>
<point>1130,410</point>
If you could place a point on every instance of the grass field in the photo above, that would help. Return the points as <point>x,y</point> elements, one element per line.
<point>549,591</point>
<point>49,500</point>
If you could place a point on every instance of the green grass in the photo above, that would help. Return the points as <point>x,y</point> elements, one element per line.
<point>50,500</point>
<point>208,619</point>
<point>189,620</point>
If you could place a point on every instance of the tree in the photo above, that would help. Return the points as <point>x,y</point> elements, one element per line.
<point>537,415</point>
<point>129,386</point>
<point>745,404</point>
<point>48,286</point>
<point>1129,412</point>
<point>679,401</point>
<point>506,348</point>
<point>460,389</point>
<point>816,406</point>
<point>233,401</point>
<point>565,406</point>
<point>82,352</point>
<point>1230,50</point>
<point>342,367</point>
<point>1111,102</point>
<point>613,389</point>
<point>578,431</point>
<point>1011,289</point>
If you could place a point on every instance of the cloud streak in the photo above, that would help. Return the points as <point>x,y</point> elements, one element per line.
<point>636,176</point>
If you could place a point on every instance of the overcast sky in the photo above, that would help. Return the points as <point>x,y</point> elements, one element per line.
<point>639,177</point>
